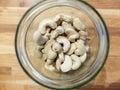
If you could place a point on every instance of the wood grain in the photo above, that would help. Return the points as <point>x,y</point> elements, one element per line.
<point>106,4</point>
<point>12,76</point>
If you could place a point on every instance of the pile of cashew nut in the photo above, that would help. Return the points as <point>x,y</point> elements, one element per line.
<point>61,43</point>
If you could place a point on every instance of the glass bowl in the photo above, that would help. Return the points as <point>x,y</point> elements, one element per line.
<point>99,43</point>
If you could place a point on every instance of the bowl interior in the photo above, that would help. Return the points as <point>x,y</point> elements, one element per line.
<point>93,42</point>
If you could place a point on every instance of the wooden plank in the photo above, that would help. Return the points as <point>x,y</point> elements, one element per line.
<point>5,70</point>
<point>105,4</point>
<point>13,16</point>
<point>17,3</point>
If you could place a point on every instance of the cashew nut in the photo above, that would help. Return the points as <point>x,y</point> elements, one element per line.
<point>51,54</point>
<point>63,40</point>
<point>48,50</point>
<point>48,61</point>
<point>56,47</point>
<point>71,33</point>
<point>72,49</point>
<point>80,49</point>
<point>73,37</point>
<point>83,35</point>
<point>87,48</point>
<point>47,34</point>
<point>58,63</point>
<point>44,57</point>
<point>43,50</point>
<point>48,45</point>
<point>83,57</point>
<point>59,30</point>
<point>39,39</point>
<point>63,17</point>
<point>78,24</point>
<point>67,64</point>
<point>46,23</point>
<point>76,62</point>
<point>80,41</point>
<point>50,67</point>
<point>37,51</point>
<point>61,56</point>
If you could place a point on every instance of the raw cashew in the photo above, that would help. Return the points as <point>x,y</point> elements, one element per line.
<point>80,49</point>
<point>83,57</point>
<point>50,67</point>
<point>80,41</point>
<point>48,61</point>
<point>67,64</point>
<point>58,63</point>
<point>43,50</point>
<point>44,57</point>
<point>39,39</point>
<point>61,56</point>
<point>48,50</point>
<point>83,35</point>
<point>40,47</point>
<point>59,30</point>
<point>78,24</point>
<point>37,51</point>
<point>87,48</point>
<point>76,62</point>
<point>71,33</point>
<point>48,45</point>
<point>51,54</point>
<point>63,17</point>
<point>46,23</point>
<point>72,49</point>
<point>73,37</point>
<point>63,40</point>
<point>48,34</point>
<point>56,47</point>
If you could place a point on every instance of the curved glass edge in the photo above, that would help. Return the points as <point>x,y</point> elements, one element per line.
<point>107,52</point>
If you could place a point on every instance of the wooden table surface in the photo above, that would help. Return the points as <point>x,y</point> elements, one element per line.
<point>12,76</point>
